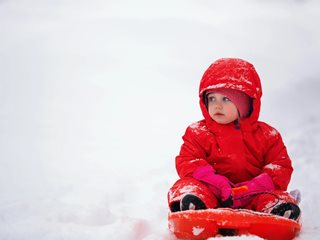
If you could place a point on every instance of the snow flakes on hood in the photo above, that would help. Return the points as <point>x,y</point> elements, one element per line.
<point>226,85</point>
<point>236,74</point>
<point>231,73</point>
<point>241,79</point>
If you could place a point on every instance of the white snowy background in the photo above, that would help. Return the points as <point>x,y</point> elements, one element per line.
<point>95,96</point>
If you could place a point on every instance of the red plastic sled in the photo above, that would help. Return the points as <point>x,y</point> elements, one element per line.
<point>202,224</point>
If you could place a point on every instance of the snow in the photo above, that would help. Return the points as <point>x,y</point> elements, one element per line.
<point>273,132</point>
<point>272,166</point>
<point>95,96</point>
<point>197,230</point>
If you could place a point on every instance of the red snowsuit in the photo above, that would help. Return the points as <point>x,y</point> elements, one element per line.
<point>239,151</point>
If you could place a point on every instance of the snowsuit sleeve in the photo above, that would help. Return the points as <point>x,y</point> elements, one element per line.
<point>192,153</point>
<point>277,162</point>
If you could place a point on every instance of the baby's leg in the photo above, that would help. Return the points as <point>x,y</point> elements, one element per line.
<point>191,187</point>
<point>278,203</point>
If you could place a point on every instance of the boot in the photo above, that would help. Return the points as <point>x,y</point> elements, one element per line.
<point>191,202</point>
<point>288,210</point>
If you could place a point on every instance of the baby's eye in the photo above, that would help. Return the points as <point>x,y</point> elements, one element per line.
<point>226,99</point>
<point>211,99</point>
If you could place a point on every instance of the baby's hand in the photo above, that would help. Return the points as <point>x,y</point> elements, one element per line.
<point>245,191</point>
<point>219,185</point>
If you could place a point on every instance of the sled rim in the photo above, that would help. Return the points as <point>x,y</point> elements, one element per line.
<point>201,224</point>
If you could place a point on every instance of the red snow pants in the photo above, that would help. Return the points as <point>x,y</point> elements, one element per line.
<point>263,202</point>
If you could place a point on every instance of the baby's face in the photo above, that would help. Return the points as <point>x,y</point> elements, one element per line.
<point>221,108</point>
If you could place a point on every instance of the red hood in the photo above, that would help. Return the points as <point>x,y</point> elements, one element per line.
<point>237,74</point>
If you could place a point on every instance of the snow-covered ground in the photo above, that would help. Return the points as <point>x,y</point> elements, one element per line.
<point>95,96</point>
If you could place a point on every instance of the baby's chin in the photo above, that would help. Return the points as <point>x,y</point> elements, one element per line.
<point>222,120</point>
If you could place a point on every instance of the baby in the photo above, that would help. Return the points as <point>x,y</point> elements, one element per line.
<point>230,158</point>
